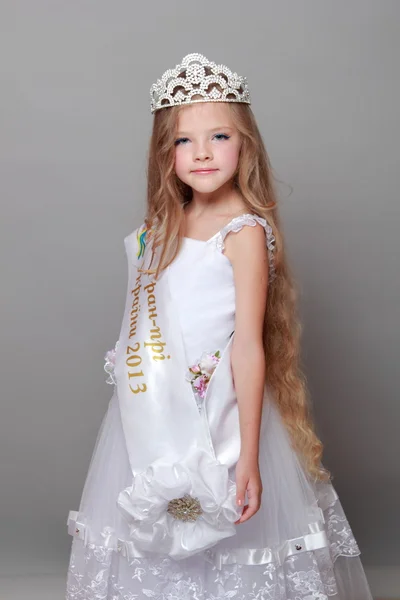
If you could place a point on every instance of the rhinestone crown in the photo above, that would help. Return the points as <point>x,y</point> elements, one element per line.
<point>196,76</point>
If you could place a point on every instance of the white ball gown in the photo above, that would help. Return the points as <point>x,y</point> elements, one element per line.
<point>156,517</point>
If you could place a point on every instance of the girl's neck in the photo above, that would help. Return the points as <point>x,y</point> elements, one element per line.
<point>226,204</point>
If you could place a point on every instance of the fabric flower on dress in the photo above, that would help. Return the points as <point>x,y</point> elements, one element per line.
<point>109,365</point>
<point>200,373</point>
<point>180,508</point>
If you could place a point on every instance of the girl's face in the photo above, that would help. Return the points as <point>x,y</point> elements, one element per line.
<point>206,139</point>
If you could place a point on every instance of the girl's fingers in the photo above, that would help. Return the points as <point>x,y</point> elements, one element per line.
<point>251,508</point>
<point>240,492</point>
<point>243,513</point>
<point>253,486</point>
<point>247,514</point>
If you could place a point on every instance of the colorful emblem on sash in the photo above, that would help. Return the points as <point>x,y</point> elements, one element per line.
<point>141,239</point>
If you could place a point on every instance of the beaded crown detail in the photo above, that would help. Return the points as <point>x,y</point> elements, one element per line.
<point>196,76</point>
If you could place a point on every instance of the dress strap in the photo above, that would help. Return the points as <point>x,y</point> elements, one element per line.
<point>237,223</point>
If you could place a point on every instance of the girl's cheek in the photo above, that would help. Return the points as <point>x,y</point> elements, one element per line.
<point>181,156</point>
<point>232,157</point>
<point>180,164</point>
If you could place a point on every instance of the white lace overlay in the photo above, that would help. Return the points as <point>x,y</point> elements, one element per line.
<point>237,224</point>
<point>102,572</point>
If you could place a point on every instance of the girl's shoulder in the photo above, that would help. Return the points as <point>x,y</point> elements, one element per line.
<point>247,220</point>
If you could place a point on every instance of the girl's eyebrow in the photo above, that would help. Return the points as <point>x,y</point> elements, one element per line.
<point>181,133</point>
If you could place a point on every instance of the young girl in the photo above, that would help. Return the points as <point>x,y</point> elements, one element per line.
<point>206,480</point>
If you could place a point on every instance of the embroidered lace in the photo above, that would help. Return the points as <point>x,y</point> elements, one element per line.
<point>99,572</point>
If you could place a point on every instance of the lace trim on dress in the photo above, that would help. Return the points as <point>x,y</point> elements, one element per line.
<point>109,364</point>
<point>237,224</point>
<point>111,571</point>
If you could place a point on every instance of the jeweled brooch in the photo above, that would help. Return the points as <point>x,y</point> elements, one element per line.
<point>185,509</point>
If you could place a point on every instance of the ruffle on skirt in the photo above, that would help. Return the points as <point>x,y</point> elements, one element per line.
<point>299,546</point>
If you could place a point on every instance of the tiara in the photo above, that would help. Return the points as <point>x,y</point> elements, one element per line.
<point>195,76</point>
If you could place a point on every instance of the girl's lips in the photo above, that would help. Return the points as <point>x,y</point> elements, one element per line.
<point>204,171</point>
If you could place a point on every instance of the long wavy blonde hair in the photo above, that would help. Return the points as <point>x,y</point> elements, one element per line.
<point>166,197</point>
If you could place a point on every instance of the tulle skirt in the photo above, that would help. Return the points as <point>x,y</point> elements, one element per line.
<point>298,546</point>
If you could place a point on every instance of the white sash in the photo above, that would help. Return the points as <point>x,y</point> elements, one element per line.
<point>182,499</point>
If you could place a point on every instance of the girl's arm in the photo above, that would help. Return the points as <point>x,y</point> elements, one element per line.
<point>248,254</point>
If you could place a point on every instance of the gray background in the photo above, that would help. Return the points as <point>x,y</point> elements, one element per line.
<point>75,125</point>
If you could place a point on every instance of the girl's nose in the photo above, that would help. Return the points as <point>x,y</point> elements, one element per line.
<point>202,153</point>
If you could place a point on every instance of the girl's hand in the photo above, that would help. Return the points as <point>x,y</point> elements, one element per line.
<point>248,479</point>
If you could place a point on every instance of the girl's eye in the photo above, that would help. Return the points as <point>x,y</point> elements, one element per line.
<point>179,141</point>
<point>219,136</point>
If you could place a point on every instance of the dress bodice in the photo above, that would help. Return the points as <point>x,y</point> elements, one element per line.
<point>202,286</point>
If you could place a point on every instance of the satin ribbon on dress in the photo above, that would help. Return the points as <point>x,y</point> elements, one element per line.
<point>316,539</point>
